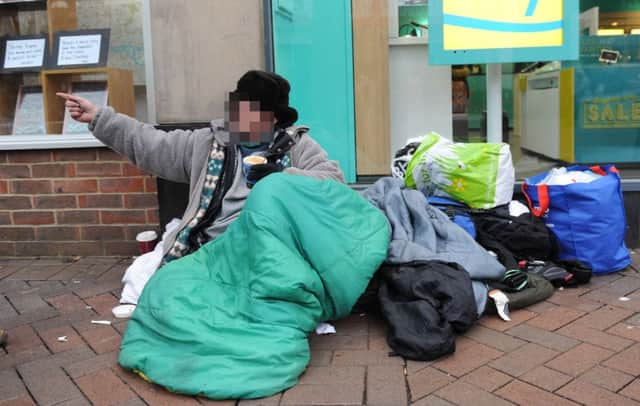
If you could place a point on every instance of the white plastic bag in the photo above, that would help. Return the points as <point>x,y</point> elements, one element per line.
<point>143,268</point>
<point>560,176</point>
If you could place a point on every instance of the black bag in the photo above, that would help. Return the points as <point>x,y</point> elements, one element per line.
<point>525,236</point>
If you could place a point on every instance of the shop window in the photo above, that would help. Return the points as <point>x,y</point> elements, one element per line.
<point>93,48</point>
<point>412,18</point>
<point>585,111</point>
<point>554,113</point>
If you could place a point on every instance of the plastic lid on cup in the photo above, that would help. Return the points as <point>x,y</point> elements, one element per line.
<point>254,160</point>
<point>147,236</point>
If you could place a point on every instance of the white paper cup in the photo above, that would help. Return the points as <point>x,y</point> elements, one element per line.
<point>249,161</point>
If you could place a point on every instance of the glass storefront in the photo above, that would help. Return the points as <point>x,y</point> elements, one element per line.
<point>554,112</point>
<point>361,77</point>
<point>93,48</point>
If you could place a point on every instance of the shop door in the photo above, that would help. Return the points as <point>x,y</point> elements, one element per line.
<point>312,46</point>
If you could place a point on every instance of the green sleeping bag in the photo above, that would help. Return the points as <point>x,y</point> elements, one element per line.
<point>231,320</point>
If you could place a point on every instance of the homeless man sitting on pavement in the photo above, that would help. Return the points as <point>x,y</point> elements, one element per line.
<point>210,159</point>
<point>250,272</point>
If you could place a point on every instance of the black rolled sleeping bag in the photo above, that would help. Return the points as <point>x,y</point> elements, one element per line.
<point>426,303</point>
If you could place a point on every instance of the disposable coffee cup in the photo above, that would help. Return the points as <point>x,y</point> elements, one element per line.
<point>147,241</point>
<point>248,162</point>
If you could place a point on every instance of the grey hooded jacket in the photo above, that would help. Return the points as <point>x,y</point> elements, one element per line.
<point>182,155</point>
<point>419,231</point>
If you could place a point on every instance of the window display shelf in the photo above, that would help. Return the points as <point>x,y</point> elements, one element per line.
<point>119,89</point>
<point>120,93</point>
<point>29,107</point>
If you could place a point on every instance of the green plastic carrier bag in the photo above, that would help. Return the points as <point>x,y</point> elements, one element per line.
<point>478,174</point>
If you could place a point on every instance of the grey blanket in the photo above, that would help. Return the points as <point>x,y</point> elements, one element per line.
<point>422,232</point>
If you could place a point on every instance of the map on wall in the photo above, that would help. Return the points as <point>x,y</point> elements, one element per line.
<point>124,18</point>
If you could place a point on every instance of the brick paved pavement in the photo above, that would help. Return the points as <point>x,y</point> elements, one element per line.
<point>582,346</point>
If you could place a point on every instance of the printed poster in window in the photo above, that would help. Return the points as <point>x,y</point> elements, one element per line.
<point>29,115</point>
<point>96,93</point>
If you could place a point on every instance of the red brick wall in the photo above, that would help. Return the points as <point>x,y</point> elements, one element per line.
<point>73,202</point>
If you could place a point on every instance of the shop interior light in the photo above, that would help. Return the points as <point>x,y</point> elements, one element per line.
<point>614,23</point>
<point>635,31</point>
<point>610,31</point>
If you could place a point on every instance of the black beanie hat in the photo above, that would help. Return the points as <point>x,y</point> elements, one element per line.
<point>271,90</point>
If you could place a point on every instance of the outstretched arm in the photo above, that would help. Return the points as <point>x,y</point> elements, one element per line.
<point>165,154</point>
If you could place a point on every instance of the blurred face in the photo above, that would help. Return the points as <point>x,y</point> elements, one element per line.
<point>247,123</point>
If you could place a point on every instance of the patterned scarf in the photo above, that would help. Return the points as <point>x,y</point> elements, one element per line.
<point>214,170</point>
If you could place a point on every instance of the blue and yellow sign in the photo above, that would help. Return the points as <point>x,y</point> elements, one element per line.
<point>495,31</point>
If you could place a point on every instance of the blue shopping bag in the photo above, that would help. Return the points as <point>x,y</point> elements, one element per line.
<point>587,219</point>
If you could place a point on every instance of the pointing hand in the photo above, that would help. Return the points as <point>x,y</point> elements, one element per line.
<point>80,108</point>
